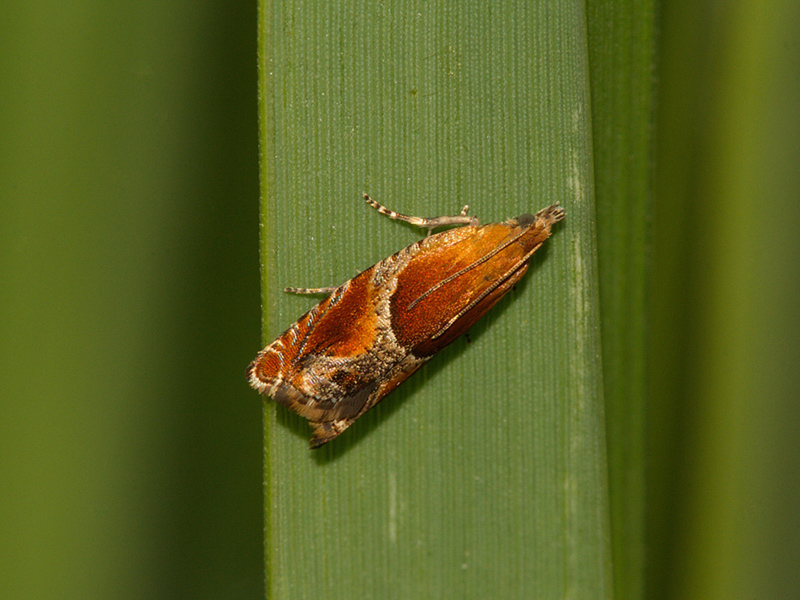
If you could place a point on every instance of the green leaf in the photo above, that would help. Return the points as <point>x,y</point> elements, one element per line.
<point>725,287</point>
<point>622,63</point>
<point>485,474</point>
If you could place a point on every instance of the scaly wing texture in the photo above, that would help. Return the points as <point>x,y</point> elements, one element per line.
<point>356,346</point>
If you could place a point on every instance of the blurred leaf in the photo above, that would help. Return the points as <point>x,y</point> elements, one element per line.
<point>725,347</point>
<point>622,61</point>
<point>129,440</point>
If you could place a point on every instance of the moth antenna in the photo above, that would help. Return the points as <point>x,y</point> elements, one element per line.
<point>428,223</point>
<point>322,290</point>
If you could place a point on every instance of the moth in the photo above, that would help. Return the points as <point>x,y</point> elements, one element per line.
<point>372,332</point>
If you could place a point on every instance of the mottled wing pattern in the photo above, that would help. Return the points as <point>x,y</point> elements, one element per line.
<point>338,360</point>
<point>371,333</point>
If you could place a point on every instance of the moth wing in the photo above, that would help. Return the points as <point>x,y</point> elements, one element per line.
<point>326,430</point>
<point>325,366</point>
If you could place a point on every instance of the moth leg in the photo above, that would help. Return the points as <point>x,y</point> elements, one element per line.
<point>294,290</point>
<point>428,223</point>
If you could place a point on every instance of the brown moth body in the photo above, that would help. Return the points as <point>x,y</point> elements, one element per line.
<point>372,332</point>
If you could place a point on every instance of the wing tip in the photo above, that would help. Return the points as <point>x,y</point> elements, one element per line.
<point>325,431</point>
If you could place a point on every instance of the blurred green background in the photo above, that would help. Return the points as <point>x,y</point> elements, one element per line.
<point>130,445</point>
